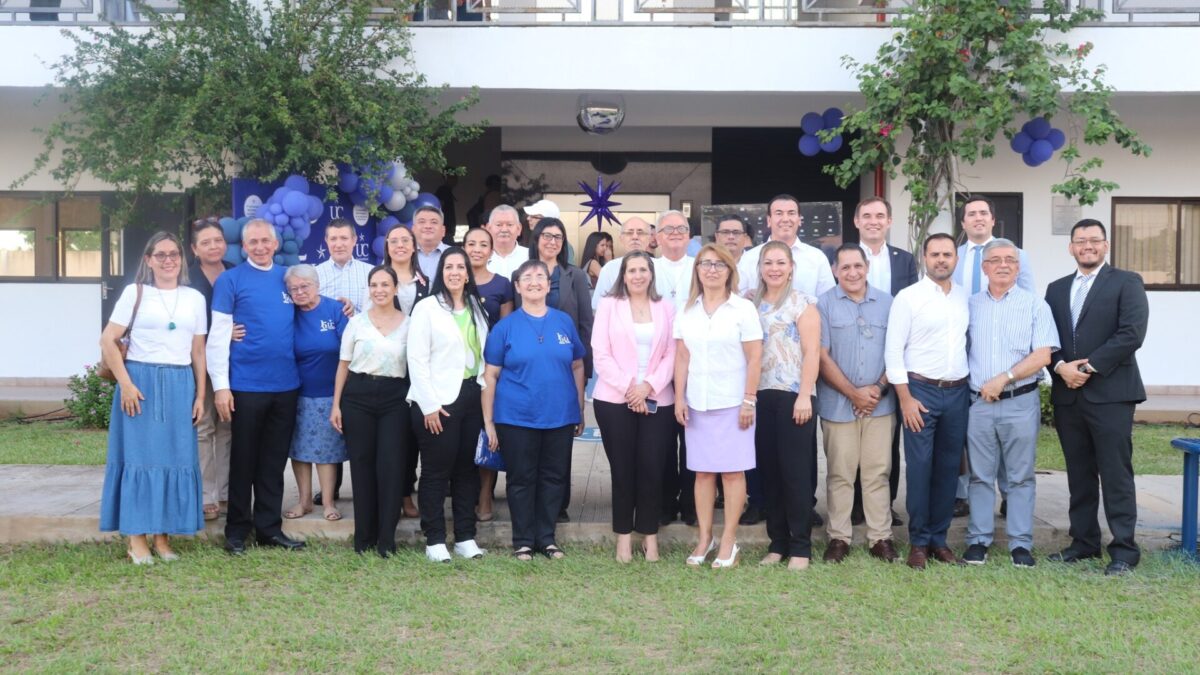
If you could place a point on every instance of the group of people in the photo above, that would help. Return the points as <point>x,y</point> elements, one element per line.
<point>711,373</point>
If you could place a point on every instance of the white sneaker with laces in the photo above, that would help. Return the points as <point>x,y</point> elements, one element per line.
<point>437,553</point>
<point>468,549</point>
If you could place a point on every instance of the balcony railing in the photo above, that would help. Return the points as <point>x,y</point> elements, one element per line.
<point>80,12</point>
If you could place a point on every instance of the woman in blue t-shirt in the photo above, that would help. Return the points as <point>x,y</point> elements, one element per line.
<point>533,407</point>
<point>320,323</point>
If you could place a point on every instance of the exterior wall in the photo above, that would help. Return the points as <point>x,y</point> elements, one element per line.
<point>54,329</point>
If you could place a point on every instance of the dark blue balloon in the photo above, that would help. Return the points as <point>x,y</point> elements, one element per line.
<point>386,225</point>
<point>832,119</point>
<point>1057,138</point>
<point>811,123</point>
<point>427,199</point>
<point>832,145</point>
<point>1037,128</point>
<point>275,208</point>
<point>1029,160</point>
<point>314,207</point>
<point>1041,151</point>
<point>347,182</point>
<point>295,204</point>
<point>359,197</point>
<point>377,246</point>
<point>1021,142</point>
<point>809,145</point>
<point>290,247</point>
<point>296,182</point>
<point>233,231</point>
<point>281,219</point>
<point>279,259</point>
<point>405,215</point>
<point>385,193</point>
<point>233,254</point>
<point>277,195</point>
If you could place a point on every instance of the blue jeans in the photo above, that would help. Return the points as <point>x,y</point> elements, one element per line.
<point>932,456</point>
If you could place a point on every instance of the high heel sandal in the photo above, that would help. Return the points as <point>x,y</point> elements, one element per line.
<point>698,560</point>
<point>731,561</point>
<point>148,559</point>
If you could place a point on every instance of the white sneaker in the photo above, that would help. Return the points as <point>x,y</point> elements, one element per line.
<point>437,553</point>
<point>468,549</point>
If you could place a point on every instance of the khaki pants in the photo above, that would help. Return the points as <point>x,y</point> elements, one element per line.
<point>850,447</point>
<point>213,437</point>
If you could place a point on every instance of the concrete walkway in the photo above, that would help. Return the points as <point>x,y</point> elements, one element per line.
<point>61,503</point>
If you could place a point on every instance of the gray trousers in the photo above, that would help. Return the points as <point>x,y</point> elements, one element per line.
<point>1003,436</point>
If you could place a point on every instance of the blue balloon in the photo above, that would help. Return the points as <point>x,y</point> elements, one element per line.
<point>832,118</point>
<point>296,182</point>
<point>295,204</point>
<point>405,215</point>
<point>278,258</point>
<point>832,145</point>
<point>277,195</point>
<point>303,231</point>
<point>291,247</point>
<point>427,199</point>
<point>291,259</point>
<point>1037,128</point>
<point>1057,138</point>
<point>233,254</point>
<point>297,221</point>
<point>1021,142</point>
<point>314,207</point>
<point>275,208</point>
<point>1029,160</point>
<point>359,197</point>
<point>385,193</point>
<point>348,182</point>
<point>244,254</point>
<point>1041,151</point>
<point>812,122</point>
<point>377,247</point>
<point>232,230</point>
<point>281,219</point>
<point>810,145</point>
<point>386,225</point>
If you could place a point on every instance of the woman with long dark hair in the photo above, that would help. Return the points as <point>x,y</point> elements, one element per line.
<point>152,483</point>
<point>597,250</point>
<point>445,366</point>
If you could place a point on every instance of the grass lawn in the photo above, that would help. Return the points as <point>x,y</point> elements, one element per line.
<point>82,607</point>
<point>51,443</point>
<point>1152,451</point>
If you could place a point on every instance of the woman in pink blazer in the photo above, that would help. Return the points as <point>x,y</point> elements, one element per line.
<point>634,398</point>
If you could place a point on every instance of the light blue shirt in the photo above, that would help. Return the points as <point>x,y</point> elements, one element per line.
<point>856,347</point>
<point>965,269</point>
<point>1004,330</point>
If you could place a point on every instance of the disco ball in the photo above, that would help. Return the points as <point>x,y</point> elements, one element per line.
<point>600,117</point>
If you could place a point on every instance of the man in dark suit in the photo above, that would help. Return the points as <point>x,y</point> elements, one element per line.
<point>1101,314</point>
<point>891,269</point>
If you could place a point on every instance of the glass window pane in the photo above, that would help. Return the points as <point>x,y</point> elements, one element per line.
<point>1189,244</point>
<point>26,227</point>
<point>115,260</point>
<point>16,253</point>
<point>79,237</point>
<point>1144,240</point>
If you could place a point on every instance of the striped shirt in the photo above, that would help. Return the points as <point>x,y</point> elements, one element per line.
<point>1005,330</point>
<point>345,281</point>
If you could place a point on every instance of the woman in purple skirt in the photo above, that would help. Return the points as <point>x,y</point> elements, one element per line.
<point>718,359</point>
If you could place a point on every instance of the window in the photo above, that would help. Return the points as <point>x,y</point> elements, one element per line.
<point>1159,239</point>
<point>26,237</point>
<point>48,239</point>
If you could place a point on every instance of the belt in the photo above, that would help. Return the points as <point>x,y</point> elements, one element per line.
<point>1013,393</point>
<point>366,376</point>
<point>940,384</point>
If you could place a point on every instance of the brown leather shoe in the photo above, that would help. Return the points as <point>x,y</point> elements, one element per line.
<point>837,551</point>
<point>917,558</point>
<point>885,550</point>
<point>945,555</point>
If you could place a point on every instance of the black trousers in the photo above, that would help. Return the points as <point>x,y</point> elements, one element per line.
<point>1097,443</point>
<point>449,461</point>
<point>538,463</point>
<point>784,452</point>
<point>375,422</point>
<point>635,445</point>
<point>678,482</point>
<point>261,437</point>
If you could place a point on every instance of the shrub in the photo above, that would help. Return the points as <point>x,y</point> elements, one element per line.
<point>91,399</point>
<point>1047,409</point>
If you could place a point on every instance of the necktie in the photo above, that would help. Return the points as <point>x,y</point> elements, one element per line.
<point>1080,296</point>
<point>978,266</point>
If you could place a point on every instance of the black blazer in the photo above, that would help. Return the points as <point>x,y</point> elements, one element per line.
<point>904,269</point>
<point>1111,328</point>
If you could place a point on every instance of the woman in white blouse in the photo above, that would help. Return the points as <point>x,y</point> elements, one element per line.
<point>445,364</point>
<point>371,410</point>
<point>718,358</point>
<point>152,483</point>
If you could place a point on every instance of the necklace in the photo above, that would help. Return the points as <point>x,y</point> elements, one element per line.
<point>170,312</point>
<point>533,325</point>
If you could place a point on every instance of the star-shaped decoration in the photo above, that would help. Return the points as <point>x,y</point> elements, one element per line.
<point>600,203</point>
<point>321,252</point>
<point>362,237</point>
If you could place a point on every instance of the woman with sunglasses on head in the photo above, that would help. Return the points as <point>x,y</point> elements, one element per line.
<point>152,483</point>
<point>597,250</point>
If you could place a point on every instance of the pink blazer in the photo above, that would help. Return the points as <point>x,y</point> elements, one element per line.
<point>614,351</point>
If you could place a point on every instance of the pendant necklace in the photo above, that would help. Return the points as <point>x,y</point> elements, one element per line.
<point>533,325</point>
<point>170,312</point>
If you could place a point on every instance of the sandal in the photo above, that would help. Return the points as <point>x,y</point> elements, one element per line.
<point>297,511</point>
<point>212,512</point>
<point>524,554</point>
<point>553,552</point>
<point>333,515</point>
<point>485,517</point>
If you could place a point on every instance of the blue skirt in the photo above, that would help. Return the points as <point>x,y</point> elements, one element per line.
<point>315,440</point>
<point>152,482</point>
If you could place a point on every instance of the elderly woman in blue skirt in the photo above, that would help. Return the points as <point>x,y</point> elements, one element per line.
<point>320,323</point>
<point>152,483</point>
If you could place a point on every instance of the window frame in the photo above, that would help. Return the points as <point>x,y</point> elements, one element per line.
<point>1179,202</point>
<point>56,230</point>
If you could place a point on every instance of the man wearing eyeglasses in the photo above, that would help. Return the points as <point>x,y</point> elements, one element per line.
<point>635,236</point>
<point>734,234</point>
<point>1101,314</point>
<point>856,406</point>
<point>1010,337</point>
<point>812,274</point>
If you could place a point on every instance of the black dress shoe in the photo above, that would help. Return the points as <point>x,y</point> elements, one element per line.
<point>1118,568</point>
<point>689,518</point>
<point>282,541</point>
<point>751,516</point>
<point>1070,555</point>
<point>562,517</point>
<point>961,508</point>
<point>817,520</point>
<point>235,547</point>
<point>896,520</point>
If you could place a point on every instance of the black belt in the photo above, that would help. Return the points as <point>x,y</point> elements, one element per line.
<point>1013,393</point>
<point>366,376</point>
<point>940,384</point>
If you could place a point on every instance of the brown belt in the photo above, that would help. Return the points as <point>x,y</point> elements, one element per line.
<point>940,384</point>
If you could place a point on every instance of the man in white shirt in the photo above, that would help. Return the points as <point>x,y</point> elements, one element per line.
<point>926,356</point>
<point>635,236</point>
<point>343,277</point>
<point>734,234</point>
<point>428,229</point>
<point>504,224</point>
<point>813,273</point>
<point>978,219</point>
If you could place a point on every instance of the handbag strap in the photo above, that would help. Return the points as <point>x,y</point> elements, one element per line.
<point>132,317</point>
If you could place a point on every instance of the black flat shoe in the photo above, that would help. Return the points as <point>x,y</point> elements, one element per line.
<point>235,547</point>
<point>751,516</point>
<point>1118,568</point>
<point>1070,555</point>
<point>281,541</point>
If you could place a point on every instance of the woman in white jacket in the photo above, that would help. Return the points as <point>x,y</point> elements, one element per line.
<point>446,335</point>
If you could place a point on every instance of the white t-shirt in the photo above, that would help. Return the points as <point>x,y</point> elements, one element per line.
<point>506,265</point>
<point>152,340</point>
<point>716,377</point>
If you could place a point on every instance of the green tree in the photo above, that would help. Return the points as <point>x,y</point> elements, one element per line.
<point>959,73</point>
<point>244,88</point>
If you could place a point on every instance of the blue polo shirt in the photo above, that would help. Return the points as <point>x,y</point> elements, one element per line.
<point>264,361</point>
<point>536,387</point>
<point>318,340</point>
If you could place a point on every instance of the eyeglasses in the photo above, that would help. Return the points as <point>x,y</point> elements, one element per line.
<point>1094,241</point>
<point>526,278</point>
<point>1009,260</point>
<point>300,288</point>
<point>163,257</point>
<point>864,328</point>
<point>729,233</point>
<point>550,236</point>
<point>713,265</point>
<point>674,229</point>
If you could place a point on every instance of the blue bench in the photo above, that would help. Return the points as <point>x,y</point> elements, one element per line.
<point>1191,473</point>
